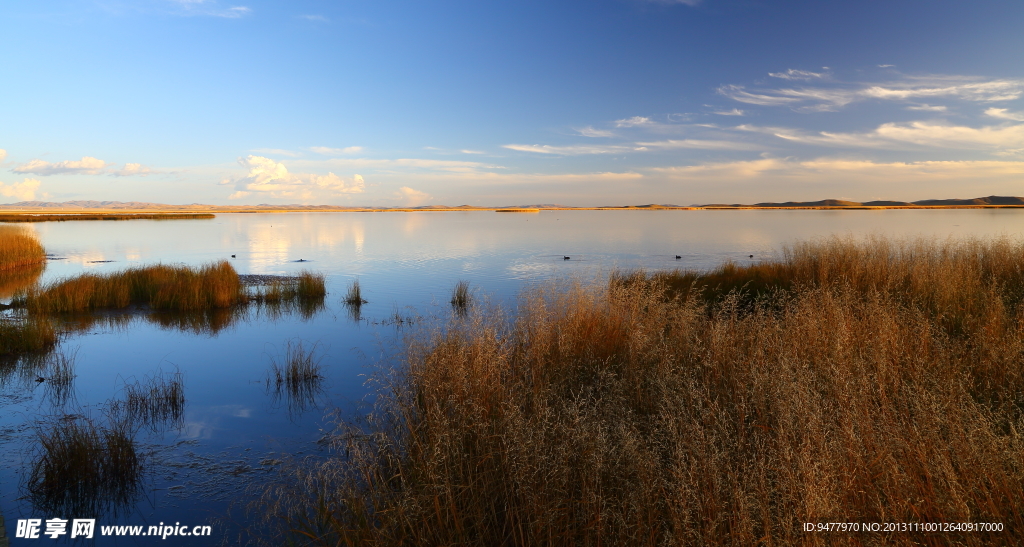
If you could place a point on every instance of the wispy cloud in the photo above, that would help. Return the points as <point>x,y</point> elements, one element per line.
<point>699,144</point>
<point>3,154</point>
<point>464,151</point>
<point>927,108</point>
<point>85,166</point>
<point>1005,114</point>
<point>277,152</point>
<point>733,112</point>
<point>210,8</point>
<point>827,98</point>
<point>589,131</point>
<point>999,140</point>
<point>318,18</point>
<point>411,197</point>
<point>323,150</point>
<point>24,190</point>
<point>267,177</point>
<point>568,150</point>
<point>635,121</point>
<point>794,74</point>
<point>132,169</point>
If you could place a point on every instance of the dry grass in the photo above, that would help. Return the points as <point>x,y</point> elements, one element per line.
<point>60,377</point>
<point>19,248</point>
<point>28,217</point>
<point>873,381</point>
<point>354,296</point>
<point>176,288</point>
<point>17,280</point>
<point>84,469</point>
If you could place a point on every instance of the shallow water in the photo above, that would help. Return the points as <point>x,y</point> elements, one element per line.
<point>235,431</point>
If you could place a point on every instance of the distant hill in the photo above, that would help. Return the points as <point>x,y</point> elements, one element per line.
<point>990,200</point>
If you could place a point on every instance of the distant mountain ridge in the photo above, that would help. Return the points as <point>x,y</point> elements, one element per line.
<point>990,200</point>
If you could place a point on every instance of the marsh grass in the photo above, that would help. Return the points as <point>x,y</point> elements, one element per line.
<point>19,248</point>
<point>297,376</point>
<point>461,297</point>
<point>156,402</point>
<point>84,469</point>
<point>161,287</point>
<point>863,381</point>
<point>102,216</point>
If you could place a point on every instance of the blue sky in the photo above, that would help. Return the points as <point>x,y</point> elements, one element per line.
<point>492,103</point>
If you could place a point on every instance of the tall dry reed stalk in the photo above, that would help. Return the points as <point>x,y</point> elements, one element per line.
<point>18,248</point>
<point>298,377</point>
<point>871,381</point>
<point>156,402</point>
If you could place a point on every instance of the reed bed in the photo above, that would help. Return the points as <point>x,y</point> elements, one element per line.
<point>19,248</point>
<point>29,217</point>
<point>847,381</point>
<point>161,287</point>
<point>298,377</point>
<point>156,402</point>
<point>84,469</point>
<point>17,280</point>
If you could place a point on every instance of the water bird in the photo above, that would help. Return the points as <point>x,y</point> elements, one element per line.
<point>678,257</point>
<point>232,256</point>
<point>565,258</point>
<point>751,256</point>
<point>40,379</point>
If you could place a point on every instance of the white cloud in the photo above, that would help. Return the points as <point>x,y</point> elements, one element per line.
<point>269,177</point>
<point>472,151</point>
<point>794,74</point>
<point>86,166</point>
<point>23,191</point>
<point>733,112</point>
<point>411,197</point>
<point>3,154</point>
<point>999,113</point>
<point>319,18</point>
<point>736,93</point>
<point>635,121</point>
<point>132,169</point>
<point>323,150</point>
<point>589,131</point>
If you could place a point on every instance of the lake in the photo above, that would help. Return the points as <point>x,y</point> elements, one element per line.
<point>236,430</point>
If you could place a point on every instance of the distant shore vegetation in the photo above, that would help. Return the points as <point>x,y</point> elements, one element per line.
<point>845,381</point>
<point>34,217</point>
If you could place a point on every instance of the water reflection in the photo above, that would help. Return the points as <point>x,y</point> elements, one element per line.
<point>19,279</point>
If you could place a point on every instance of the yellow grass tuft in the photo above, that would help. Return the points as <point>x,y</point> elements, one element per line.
<point>19,248</point>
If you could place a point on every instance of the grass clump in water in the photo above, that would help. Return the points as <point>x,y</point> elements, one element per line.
<point>354,296</point>
<point>19,248</point>
<point>153,402</point>
<point>297,377</point>
<point>874,381</point>
<point>461,297</point>
<point>22,336</point>
<point>84,469</point>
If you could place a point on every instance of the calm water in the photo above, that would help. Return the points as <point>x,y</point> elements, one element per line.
<point>235,432</point>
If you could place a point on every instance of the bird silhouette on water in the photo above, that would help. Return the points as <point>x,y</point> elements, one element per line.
<point>565,258</point>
